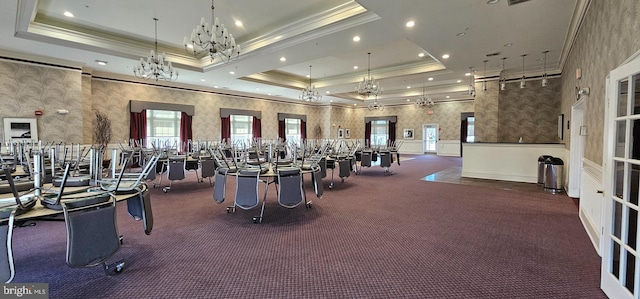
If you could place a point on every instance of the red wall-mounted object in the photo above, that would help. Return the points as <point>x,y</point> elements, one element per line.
<point>38,112</point>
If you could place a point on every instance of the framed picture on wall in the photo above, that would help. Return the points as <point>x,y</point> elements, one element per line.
<point>408,134</point>
<point>340,133</point>
<point>347,133</point>
<point>20,129</point>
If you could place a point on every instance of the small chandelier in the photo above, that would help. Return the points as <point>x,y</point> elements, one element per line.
<point>375,105</point>
<point>472,89</point>
<point>545,81</point>
<point>424,100</point>
<point>484,80</point>
<point>213,38</point>
<point>368,86</point>
<point>503,79</point>
<point>154,66</point>
<point>310,94</point>
<point>522,82</point>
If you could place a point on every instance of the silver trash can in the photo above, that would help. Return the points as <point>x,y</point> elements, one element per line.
<point>554,175</point>
<point>541,160</point>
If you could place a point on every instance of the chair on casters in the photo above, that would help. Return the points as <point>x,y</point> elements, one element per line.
<point>247,197</point>
<point>290,189</point>
<point>92,234</point>
<point>220,187</point>
<point>365,159</point>
<point>207,169</point>
<point>176,171</point>
<point>385,162</point>
<point>345,168</point>
<point>7,269</point>
<point>318,186</point>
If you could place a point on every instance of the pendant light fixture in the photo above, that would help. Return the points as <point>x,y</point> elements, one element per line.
<point>522,83</point>
<point>484,80</point>
<point>472,89</point>
<point>503,79</point>
<point>545,81</point>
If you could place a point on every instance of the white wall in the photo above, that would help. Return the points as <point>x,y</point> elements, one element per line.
<point>591,201</point>
<point>449,148</point>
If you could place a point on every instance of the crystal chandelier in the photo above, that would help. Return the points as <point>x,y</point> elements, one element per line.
<point>154,67</point>
<point>213,38</point>
<point>310,94</point>
<point>424,100</point>
<point>368,86</point>
<point>375,105</point>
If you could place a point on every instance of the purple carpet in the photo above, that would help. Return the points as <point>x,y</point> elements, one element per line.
<point>373,236</point>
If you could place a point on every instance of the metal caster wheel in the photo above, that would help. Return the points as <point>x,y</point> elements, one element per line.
<point>257,219</point>
<point>165,190</point>
<point>309,205</point>
<point>121,240</point>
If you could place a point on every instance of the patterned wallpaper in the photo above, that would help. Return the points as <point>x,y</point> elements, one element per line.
<point>607,37</point>
<point>446,115</point>
<point>486,113</point>
<point>26,88</point>
<point>530,112</point>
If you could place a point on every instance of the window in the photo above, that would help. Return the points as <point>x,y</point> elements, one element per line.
<point>470,128</point>
<point>241,128</point>
<point>379,132</point>
<point>292,129</point>
<point>163,128</point>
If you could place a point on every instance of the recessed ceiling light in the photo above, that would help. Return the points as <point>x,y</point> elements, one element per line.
<point>68,14</point>
<point>467,74</point>
<point>408,100</point>
<point>430,79</point>
<point>330,101</point>
<point>269,94</point>
<point>459,81</point>
<point>308,76</point>
<point>202,80</point>
<point>327,92</point>
<point>190,46</point>
<point>215,86</point>
<point>257,88</point>
<point>283,59</point>
<point>445,56</point>
<point>238,23</point>
<point>508,45</point>
<point>232,72</point>
<point>356,38</point>
<point>101,62</point>
<point>410,24</point>
<point>447,97</point>
<point>355,104</point>
<point>355,67</point>
<point>421,55</point>
<point>408,87</point>
<point>492,1</point>
<point>461,34</point>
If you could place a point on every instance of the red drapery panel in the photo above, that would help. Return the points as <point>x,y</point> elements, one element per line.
<point>138,126</point>
<point>186,133</point>
<point>225,129</point>
<point>367,133</point>
<point>303,129</point>
<point>281,133</point>
<point>392,132</point>
<point>256,129</point>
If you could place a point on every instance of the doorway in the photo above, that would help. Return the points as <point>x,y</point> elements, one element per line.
<point>577,148</point>
<point>430,138</point>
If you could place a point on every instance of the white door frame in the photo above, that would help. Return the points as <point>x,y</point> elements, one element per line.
<point>577,149</point>
<point>424,137</point>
